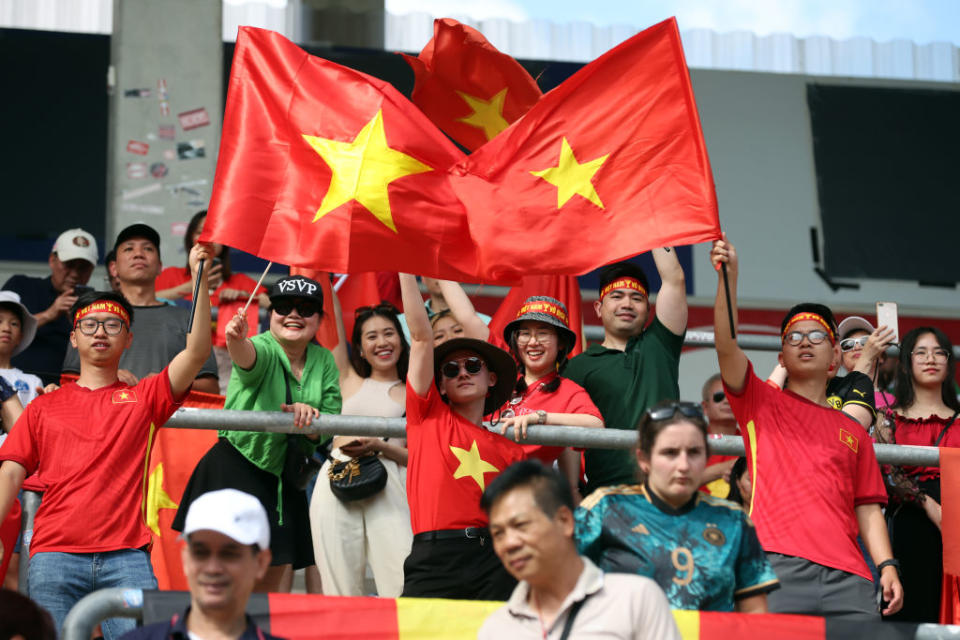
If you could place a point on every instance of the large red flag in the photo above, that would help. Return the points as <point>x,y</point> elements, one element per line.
<point>566,289</point>
<point>325,167</point>
<point>950,533</point>
<point>467,87</point>
<point>609,164</point>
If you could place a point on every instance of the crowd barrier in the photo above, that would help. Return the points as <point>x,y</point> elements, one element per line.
<point>317,617</point>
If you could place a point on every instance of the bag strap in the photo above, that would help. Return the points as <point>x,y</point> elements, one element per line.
<point>574,610</point>
<point>944,432</point>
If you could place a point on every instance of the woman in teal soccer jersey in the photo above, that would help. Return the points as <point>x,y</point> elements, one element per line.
<point>701,550</point>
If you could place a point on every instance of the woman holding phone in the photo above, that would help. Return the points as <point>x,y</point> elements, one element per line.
<point>375,530</point>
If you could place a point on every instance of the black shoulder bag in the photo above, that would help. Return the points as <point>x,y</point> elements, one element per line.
<point>298,467</point>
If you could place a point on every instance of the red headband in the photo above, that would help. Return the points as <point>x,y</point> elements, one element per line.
<point>102,306</point>
<point>816,317</point>
<point>623,283</point>
<point>542,306</point>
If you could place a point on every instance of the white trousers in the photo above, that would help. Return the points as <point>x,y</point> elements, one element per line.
<point>348,536</point>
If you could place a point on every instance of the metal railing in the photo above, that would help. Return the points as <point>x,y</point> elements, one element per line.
<point>277,422</point>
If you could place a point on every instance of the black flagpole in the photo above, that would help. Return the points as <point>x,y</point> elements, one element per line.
<point>196,292</point>
<point>726,290</point>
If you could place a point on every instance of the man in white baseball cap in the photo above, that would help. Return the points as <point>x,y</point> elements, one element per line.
<point>226,550</point>
<point>72,260</point>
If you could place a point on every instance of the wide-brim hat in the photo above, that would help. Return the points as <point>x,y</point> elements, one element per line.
<point>28,328</point>
<point>853,323</point>
<point>497,360</point>
<point>547,310</point>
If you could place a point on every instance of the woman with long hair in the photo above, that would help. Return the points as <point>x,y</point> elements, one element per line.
<point>540,341</point>
<point>229,293</point>
<point>925,414</point>
<point>375,530</point>
<point>702,551</point>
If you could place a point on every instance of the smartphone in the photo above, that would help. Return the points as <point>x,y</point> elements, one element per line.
<point>215,262</point>
<point>81,289</point>
<point>887,317</point>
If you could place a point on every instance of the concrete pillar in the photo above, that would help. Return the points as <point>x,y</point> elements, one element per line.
<point>166,108</point>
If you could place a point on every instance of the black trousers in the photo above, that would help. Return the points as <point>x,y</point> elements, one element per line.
<point>462,569</point>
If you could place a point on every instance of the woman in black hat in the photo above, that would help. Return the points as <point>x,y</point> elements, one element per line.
<point>540,340</point>
<point>452,458</point>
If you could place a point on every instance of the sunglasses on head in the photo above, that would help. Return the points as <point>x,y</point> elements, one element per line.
<point>451,368</point>
<point>305,308</point>
<point>688,409</point>
<point>849,344</point>
<point>382,307</point>
<point>718,396</point>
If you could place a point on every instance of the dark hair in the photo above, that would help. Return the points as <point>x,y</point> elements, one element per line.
<point>550,489</point>
<point>21,616</point>
<point>188,245</point>
<point>617,270</point>
<point>903,391</point>
<point>563,350</point>
<point>736,472</point>
<point>810,307</point>
<point>382,310</point>
<point>110,257</point>
<point>705,392</point>
<point>14,309</point>
<point>649,429</point>
<point>93,296</point>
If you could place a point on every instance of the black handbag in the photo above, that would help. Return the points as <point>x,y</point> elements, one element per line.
<point>357,478</point>
<point>298,467</point>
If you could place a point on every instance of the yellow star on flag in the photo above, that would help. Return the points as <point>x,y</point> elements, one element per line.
<point>157,498</point>
<point>124,395</point>
<point>471,465</point>
<point>571,177</point>
<point>487,114</point>
<point>363,169</point>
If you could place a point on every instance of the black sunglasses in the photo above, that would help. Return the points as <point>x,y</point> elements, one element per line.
<point>718,396</point>
<point>451,368</point>
<point>382,307</point>
<point>688,409</point>
<point>305,308</point>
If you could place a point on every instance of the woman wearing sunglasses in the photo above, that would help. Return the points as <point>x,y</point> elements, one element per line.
<point>702,551</point>
<point>925,414</point>
<point>375,530</point>
<point>540,340</point>
<point>862,349</point>
<point>452,458</point>
<point>281,369</point>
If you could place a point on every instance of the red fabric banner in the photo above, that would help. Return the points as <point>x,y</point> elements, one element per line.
<point>950,532</point>
<point>467,87</point>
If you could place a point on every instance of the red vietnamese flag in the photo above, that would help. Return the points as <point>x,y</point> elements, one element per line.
<point>950,533</point>
<point>324,167</point>
<point>467,87</point>
<point>566,289</point>
<point>610,164</point>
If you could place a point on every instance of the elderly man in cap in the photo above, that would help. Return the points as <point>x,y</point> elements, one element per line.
<point>227,550</point>
<point>161,327</point>
<point>72,259</point>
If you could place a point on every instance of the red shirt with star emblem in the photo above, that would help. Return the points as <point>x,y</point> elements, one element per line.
<point>450,462</point>
<point>91,448</point>
<point>810,466</point>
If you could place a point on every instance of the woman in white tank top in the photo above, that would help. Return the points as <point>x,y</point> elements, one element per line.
<point>347,536</point>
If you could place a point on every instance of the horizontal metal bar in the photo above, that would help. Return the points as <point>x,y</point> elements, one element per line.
<point>277,422</point>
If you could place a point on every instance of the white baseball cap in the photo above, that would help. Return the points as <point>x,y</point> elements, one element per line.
<point>28,327</point>
<point>233,513</point>
<point>76,243</point>
<point>854,323</point>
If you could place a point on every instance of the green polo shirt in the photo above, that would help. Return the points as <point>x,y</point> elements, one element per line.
<point>263,387</point>
<point>623,384</point>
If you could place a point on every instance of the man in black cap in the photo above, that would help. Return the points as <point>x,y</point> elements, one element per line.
<point>161,328</point>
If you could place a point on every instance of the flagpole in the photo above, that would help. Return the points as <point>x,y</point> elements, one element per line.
<point>253,294</point>
<point>196,292</point>
<point>726,290</point>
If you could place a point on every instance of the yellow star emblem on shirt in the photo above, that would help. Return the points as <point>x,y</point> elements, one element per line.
<point>849,439</point>
<point>471,465</point>
<point>157,498</point>
<point>571,177</point>
<point>363,169</point>
<point>487,114</point>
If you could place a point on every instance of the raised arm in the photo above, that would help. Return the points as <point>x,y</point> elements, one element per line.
<point>462,309</point>
<point>187,364</point>
<point>733,361</point>
<point>420,371</point>
<point>672,297</point>
<point>340,351</point>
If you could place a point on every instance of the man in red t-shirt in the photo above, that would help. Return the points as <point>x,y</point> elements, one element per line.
<point>816,482</point>
<point>452,458</point>
<point>90,440</point>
